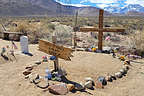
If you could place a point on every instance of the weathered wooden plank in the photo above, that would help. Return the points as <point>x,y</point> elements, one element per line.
<point>5,32</point>
<point>52,49</point>
<point>113,30</point>
<point>103,30</point>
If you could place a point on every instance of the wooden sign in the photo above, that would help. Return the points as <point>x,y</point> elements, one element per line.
<point>55,50</point>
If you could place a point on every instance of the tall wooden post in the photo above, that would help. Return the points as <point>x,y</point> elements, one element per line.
<point>75,30</point>
<point>100,35</point>
<point>56,63</point>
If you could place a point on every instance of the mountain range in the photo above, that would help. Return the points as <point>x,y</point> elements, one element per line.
<point>53,8</point>
<point>42,7</point>
<point>124,10</point>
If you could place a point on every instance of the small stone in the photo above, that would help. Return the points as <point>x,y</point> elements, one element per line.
<point>26,72</point>
<point>122,71</point>
<point>79,87</point>
<point>80,49</point>
<point>38,62</point>
<point>99,85</point>
<point>126,67</point>
<point>88,84</point>
<point>89,79</point>
<point>58,89</point>
<point>33,77</point>
<point>29,68</point>
<point>70,87</point>
<point>26,77</point>
<point>109,78</point>
<point>102,80</point>
<point>113,77</point>
<point>118,75</point>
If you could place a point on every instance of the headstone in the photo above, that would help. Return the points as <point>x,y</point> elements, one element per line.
<point>24,44</point>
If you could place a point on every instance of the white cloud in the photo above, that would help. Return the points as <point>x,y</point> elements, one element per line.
<point>103,1</point>
<point>83,1</point>
<point>141,2</point>
<point>77,5</point>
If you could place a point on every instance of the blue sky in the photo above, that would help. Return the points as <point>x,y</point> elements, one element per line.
<point>101,3</point>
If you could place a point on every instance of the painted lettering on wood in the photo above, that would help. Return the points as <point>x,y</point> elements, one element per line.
<point>55,50</point>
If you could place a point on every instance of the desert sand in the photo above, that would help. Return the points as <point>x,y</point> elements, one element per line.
<point>83,64</point>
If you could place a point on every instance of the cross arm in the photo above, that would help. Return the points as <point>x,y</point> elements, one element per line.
<point>82,29</point>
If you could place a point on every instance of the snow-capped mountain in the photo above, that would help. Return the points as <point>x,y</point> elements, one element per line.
<point>126,9</point>
<point>132,7</point>
<point>112,9</point>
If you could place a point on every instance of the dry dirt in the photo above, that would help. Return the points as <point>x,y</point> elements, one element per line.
<point>83,64</point>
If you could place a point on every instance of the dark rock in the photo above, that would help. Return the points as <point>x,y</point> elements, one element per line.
<point>102,80</point>
<point>26,72</point>
<point>79,87</point>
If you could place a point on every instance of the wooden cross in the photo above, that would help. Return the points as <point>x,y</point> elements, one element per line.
<point>100,29</point>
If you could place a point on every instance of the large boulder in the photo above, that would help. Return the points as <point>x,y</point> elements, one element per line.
<point>58,89</point>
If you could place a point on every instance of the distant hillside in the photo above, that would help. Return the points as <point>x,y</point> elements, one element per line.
<point>42,7</point>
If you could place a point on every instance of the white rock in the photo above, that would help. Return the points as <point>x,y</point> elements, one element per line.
<point>118,74</point>
<point>37,62</point>
<point>89,79</point>
<point>122,71</point>
<point>88,84</point>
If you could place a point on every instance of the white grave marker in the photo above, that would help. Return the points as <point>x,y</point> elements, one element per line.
<point>24,44</point>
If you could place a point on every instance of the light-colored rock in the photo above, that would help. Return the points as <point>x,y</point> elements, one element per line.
<point>109,78</point>
<point>70,87</point>
<point>126,67</point>
<point>123,71</point>
<point>32,77</point>
<point>88,84</point>
<point>80,49</point>
<point>38,62</point>
<point>118,75</point>
<point>89,79</point>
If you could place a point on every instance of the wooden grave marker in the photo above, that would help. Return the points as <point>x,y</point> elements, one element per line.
<point>100,30</point>
<point>55,50</point>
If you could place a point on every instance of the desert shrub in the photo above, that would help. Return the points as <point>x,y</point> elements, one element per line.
<point>51,26</point>
<point>137,41</point>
